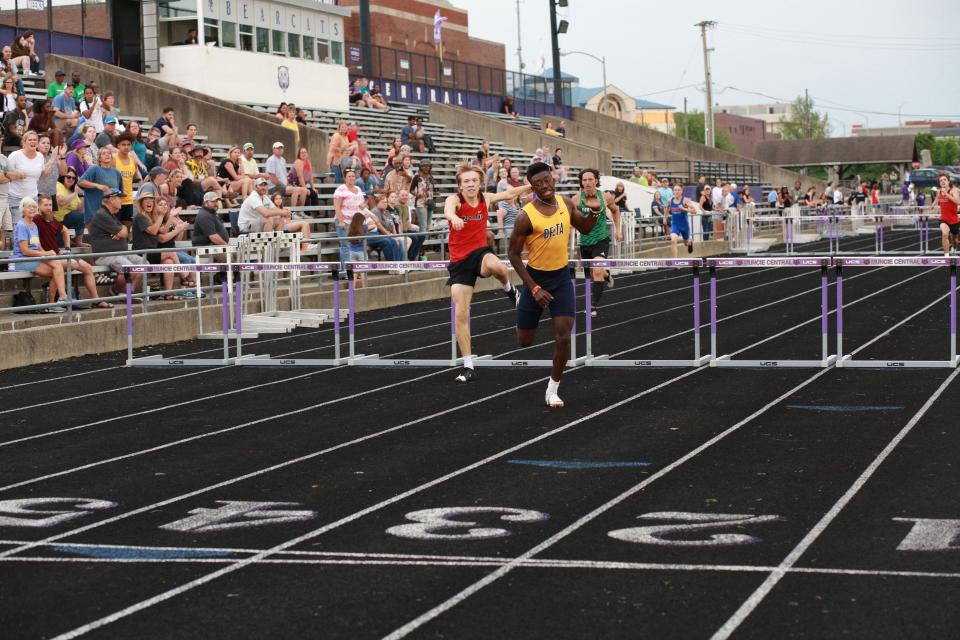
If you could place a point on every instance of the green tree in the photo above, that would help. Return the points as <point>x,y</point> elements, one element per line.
<point>806,122</point>
<point>943,151</point>
<point>695,121</point>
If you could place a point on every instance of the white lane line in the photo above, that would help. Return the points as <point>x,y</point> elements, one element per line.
<point>754,600</point>
<point>127,416</point>
<point>373,560</point>
<point>145,604</point>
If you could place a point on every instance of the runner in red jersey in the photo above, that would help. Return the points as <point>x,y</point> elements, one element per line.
<point>470,254</point>
<point>948,198</point>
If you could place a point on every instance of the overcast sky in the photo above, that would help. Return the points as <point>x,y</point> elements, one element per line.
<point>870,58</point>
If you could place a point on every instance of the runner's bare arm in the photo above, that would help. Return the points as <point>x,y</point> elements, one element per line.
<point>450,206</point>
<point>954,195</point>
<point>615,211</point>
<point>583,224</point>
<point>509,194</point>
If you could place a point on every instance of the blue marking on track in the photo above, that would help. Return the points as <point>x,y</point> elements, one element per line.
<point>844,408</point>
<point>577,464</point>
<point>123,553</point>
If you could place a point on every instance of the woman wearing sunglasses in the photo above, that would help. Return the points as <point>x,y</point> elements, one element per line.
<point>70,206</point>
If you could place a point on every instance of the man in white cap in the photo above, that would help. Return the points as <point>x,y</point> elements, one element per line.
<point>258,213</point>
<point>276,173</point>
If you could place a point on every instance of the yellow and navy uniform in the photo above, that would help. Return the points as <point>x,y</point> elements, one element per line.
<point>548,254</point>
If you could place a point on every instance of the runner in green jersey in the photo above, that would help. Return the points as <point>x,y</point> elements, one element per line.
<point>596,244</point>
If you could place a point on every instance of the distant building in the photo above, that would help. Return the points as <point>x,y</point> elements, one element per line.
<point>938,128</point>
<point>621,105</point>
<point>409,26</point>
<point>744,132</point>
<point>770,113</point>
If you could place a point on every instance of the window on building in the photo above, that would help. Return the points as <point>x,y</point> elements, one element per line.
<point>323,51</point>
<point>211,30</point>
<point>770,110</point>
<point>228,34</point>
<point>246,37</point>
<point>293,45</point>
<point>309,48</point>
<point>263,40</point>
<point>337,52</point>
<point>279,42</point>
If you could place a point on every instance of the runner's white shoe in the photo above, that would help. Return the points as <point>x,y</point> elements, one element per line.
<point>553,401</point>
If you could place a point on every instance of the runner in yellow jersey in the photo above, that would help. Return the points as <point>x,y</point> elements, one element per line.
<point>543,228</point>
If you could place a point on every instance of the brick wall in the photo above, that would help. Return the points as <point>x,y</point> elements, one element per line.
<point>744,132</point>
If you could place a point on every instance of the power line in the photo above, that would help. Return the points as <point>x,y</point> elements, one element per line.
<point>846,44</point>
<point>840,36</point>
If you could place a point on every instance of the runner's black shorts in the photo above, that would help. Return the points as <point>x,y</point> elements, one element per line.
<point>467,271</point>
<point>598,250</point>
<point>954,228</point>
<point>556,283</point>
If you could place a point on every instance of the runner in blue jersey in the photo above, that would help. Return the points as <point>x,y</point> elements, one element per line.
<point>679,207</point>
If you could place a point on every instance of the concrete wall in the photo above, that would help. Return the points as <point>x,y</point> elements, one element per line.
<point>626,146</point>
<point>307,84</point>
<point>513,135</point>
<point>658,144</point>
<point>220,120</point>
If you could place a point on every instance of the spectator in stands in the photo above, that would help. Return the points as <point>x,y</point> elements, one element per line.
<point>91,108</point>
<point>259,213</point>
<point>70,205</point>
<point>166,123</point>
<point>208,228</point>
<point>124,162</point>
<point>506,107</point>
<point>149,231</point>
<point>408,225</point>
<point>657,211</point>
<point>9,93</point>
<point>26,244</point>
<point>24,50</point>
<point>231,175</point>
<point>423,188</point>
<point>55,88</point>
<point>79,157</point>
<point>54,153</point>
<point>394,150</point>
<point>377,98</point>
<point>139,148</point>
<point>186,191</point>
<point>191,36</point>
<point>384,216</point>
<point>100,179</point>
<point>355,232</point>
<point>666,192</point>
<point>108,235</point>
<point>638,177</point>
<point>153,182</point>
<point>620,197</point>
<point>110,109</point>
<point>281,113</point>
<point>87,133</point>
<point>348,199</point>
<point>796,193</point>
<point>367,181</point>
<point>706,209</point>
<point>562,129</point>
<point>339,146</point>
<point>399,178</point>
<point>353,131</point>
<point>773,198</point>
<point>303,172</point>
<point>277,173</point>
<point>26,165</point>
<point>785,199</point>
<point>55,237</point>
<point>108,136</point>
<point>507,210</point>
<point>408,133</point>
<point>290,122</point>
<point>485,158</point>
<point>302,117</point>
<point>421,134</point>
<point>559,169</point>
<point>248,164</point>
<point>42,120</point>
<point>65,113</point>
<point>350,162</point>
<point>78,86</point>
<point>363,155</point>
<point>170,189</point>
<point>514,177</point>
<point>549,130</point>
<point>203,172</point>
<point>15,123</point>
<point>6,216</point>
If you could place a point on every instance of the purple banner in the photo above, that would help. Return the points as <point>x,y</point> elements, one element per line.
<point>903,261</point>
<point>175,268</point>
<point>636,264</point>
<point>768,262</point>
<point>288,266</point>
<point>408,265</point>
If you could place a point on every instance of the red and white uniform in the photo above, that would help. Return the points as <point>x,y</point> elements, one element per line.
<point>473,235</point>
<point>948,209</point>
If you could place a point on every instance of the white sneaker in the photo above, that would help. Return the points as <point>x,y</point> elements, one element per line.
<point>304,248</point>
<point>553,401</point>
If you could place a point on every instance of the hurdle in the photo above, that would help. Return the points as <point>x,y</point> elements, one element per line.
<point>847,361</point>
<point>265,360</point>
<point>159,360</point>
<point>374,360</point>
<point>605,361</point>
<point>826,359</point>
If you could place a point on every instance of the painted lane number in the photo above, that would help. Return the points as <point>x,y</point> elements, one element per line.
<point>27,512</point>
<point>677,534</point>
<point>440,524</point>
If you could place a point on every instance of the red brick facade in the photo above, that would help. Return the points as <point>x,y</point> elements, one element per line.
<point>744,132</point>
<point>408,25</point>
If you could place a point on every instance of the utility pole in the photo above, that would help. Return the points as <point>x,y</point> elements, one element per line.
<point>708,128</point>
<point>806,121</point>
<point>519,46</point>
<point>366,50</point>
<point>686,121</point>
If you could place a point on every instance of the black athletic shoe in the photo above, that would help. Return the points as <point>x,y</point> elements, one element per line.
<point>690,248</point>
<point>513,294</point>
<point>466,375</point>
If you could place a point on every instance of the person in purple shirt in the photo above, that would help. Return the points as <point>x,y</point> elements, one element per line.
<point>77,158</point>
